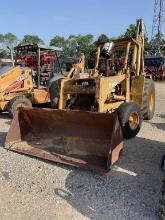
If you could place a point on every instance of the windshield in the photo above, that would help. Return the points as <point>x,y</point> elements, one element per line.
<point>112,65</point>
<point>5,69</point>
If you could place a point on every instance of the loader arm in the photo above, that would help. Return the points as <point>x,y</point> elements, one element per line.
<point>138,55</point>
<point>9,77</point>
<point>77,68</point>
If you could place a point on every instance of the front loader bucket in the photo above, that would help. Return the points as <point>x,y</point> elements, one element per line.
<point>87,139</point>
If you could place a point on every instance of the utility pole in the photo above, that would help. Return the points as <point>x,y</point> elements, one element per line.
<point>158,20</point>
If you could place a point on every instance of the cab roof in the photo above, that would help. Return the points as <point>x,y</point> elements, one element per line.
<point>35,47</point>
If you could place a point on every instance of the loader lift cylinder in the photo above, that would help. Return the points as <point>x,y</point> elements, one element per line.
<point>38,67</point>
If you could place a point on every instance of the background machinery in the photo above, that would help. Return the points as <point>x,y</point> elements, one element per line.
<point>155,62</point>
<point>95,110</point>
<point>155,65</point>
<point>24,84</point>
<point>29,81</point>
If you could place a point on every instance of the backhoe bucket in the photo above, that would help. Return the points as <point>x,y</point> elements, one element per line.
<point>86,139</point>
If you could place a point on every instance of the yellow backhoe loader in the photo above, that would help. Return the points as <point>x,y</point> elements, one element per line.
<point>31,81</point>
<point>21,85</point>
<point>95,110</point>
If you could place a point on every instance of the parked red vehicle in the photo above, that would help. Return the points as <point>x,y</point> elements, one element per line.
<point>31,60</point>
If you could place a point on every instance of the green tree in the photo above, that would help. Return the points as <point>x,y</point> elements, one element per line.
<point>74,45</point>
<point>131,32</point>
<point>58,41</point>
<point>153,44</point>
<point>31,39</point>
<point>1,38</point>
<point>10,39</point>
<point>77,44</point>
<point>6,40</point>
<point>102,38</point>
<point>85,45</point>
<point>4,54</point>
<point>91,56</point>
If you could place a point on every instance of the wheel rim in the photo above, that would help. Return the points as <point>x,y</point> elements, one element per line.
<point>21,105</point>
<point>151,101</point>
<point>134,120</point>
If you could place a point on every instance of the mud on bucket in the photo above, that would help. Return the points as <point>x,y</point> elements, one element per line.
<point>86,139</point>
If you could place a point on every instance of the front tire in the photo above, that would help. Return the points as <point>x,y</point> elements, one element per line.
<point>16,103</point>
<point>130,118</point>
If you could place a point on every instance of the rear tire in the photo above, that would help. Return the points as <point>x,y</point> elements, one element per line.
<point>130,118</point>
<point>148,107</point>
<point>15,103</point>
<point>54,90</point>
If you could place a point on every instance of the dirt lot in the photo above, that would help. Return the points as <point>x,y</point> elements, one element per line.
<point>33,189</point>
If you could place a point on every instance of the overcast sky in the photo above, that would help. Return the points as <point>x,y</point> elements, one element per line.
<point>48,18</point>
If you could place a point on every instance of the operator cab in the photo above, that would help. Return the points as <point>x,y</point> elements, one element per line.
<point>40,59</point>
<point>111,60</point>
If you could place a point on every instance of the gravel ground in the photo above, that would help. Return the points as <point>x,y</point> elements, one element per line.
<point>33,189</point>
